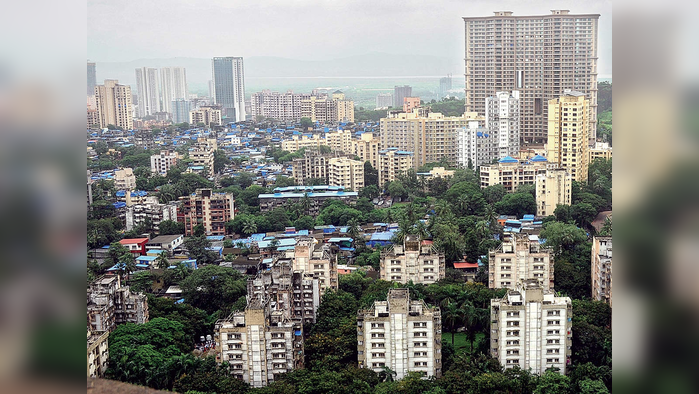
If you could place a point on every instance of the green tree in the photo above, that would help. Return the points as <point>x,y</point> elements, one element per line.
<point>552,382</point>
<point>304,223</point>
<point>162,262</point>
<point>518,204</point>
<point>220,161</point>
<point>371,176</point>
<point>198,249</point>
<point>170,227</point>
<point>305,123</point>
<point>213,288</point>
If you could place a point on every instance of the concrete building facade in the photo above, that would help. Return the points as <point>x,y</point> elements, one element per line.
<point>568,134</point>
<point>148,86</point>
<point>502,119</point>
<point>296,143</point>
<point>384,101</point>
<point>211,210</point>
<point>315,195</point>
<point>531,328</point>
<point>601,150</point>
<point>400,93</point>
<point>520,257</point>
<point>475,145</point>
<point>180,110</point>
<point>346,172</point>
<point>393,162</point>
<point>318,260</point>
<point>402,334</point>
<point>173,86</point>
<point>150,212</point>
<point>229,87</point>
<point>124,179</point>
<point>511,173</point>
<point>538,55</point>
<point>162,162</point>
<point>110,304</point>
<point>202,155</point>
<point>206,115</point>
<point>114,105</point>
<point>367,147</point>
<point>97,353</point>
<point>553,188</point>
<point>602,269</point>
<point>417,261</point>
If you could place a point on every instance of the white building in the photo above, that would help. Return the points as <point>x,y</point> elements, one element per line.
<point>180,110</point>
<point>531,328</point>
<point>502,119</point>
<point>314,258</point>
<point>602,269</point>
<point>163,161</point>
<point>475,145</point>
<point>519,257</point>
<point>229,87</point>
<point>148,91</point>
<point>401,334</point>
<point>124,179</point>
<point>173,86</point>
<point>384,101</point>
<point>152,211</point>
<point>553,188</point>
<point>415,260</point>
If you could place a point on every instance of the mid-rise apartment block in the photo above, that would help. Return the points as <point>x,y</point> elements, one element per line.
<point>315,195</point>
<point>206,115</point>
<point>367,147</point>
<point>161,163</point>
<point>410,103</point>
<point>538,55</point>
<point>114,105</point>
<point>147,83</point>
<point>109,304</point>
<point>568,133</point>
<point>601,150</point>
<point>295,143</point>
<point>502,119</point>
<point>400,93</point>
<point>553,188</point>
<point>602,269</point>
<point>124,179</point>
<point>520,257</point>
<point>393,162</point>
<point>339,141</point>
<point>97,353</point>
<point>259,343</point>
<point>402,334</point>
<point>430,138</point>
<point>346,172</point>
<point>512,173</point>
<point>152,213</point>
<point>211,210</point>
<point>475,145</point>
<point>202,155</point>
<point>318,260</point>
<point>416,260</point>
<point>229,87</point>
<point>384,101</point>
<point>531,328</point>
<point>293,106</point>
<point>311,166</point>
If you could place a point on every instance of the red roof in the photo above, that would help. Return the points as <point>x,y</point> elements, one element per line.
<point>465,265</point>
<point>128,241</point>
<point>427,242</point>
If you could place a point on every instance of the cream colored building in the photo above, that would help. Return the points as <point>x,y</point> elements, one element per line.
<point>296,143</point>
<point>601,150</point>
<point>402,334</point>
<point>417,261</point>
<point>202,155</point>
<point>367,147</point>
<point>511,173</point>
<point>552,188</point>
<point>531,329</point>
<point>339,141</point>
<point>314,258</point>
<point>346,172</point>
<point>206,115</point>
<point>519,257</point>
<point>97,353</point>
<point>602,269</point>
<point>114,105</point>
<point>569,134</point>
<point>393,162</point>
<point>162,162</point>
<point>437,172</point>
<point>312,166</point>
<point>124,179</point>
<point>258,343</point>
<point>430,137</point>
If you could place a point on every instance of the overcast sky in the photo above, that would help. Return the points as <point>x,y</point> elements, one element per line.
<point>125,30</point>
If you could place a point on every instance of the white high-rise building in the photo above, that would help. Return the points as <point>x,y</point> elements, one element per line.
<point>531,328</point>
<point>475,145</point>
<point>519,257</point>
<point>384,100</point>
<point>502,119</point>
<point>173,86</point>
<point>229,87</point>
<point>148,91</point>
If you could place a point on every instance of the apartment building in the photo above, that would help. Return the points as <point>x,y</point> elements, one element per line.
<point>475,145</point>
<point>207,115</point>
<point>315,195</point>
<point>114,105</point>
<point>124,179</point>
<point>430,136</point>
<point>568,133</point>
<point>367,147</point>
<point>553,188</point>
<point>110,304</point>
<point>346,172</point>
<point>400,93</point>
<point>384,101</point>
<point>602,269</point>
<point>402,334</point>
<point>297,293</point>
<point>311,166</point>
<point>162,162</point>
<point>318,260</point>
<point>520,257</point>
<point>211,210</point>
<point>538,55</point>
<point>601,150</point>
<point>229,87</point>
<point>295,143</point>
<point>502,119</point>
<point>259,343</point>
<point>148,91</point>
<point>167,243</point>
<point>97,353</point>
<point>531,328</point>
<point>511,173</point>
<point>393,162</point>
<point>202,155</point>
<point>152,212</point>
<point>180,110</point>
<point>417,261</point>
<point>173,86</point>
<point>345,107</point>
<point>339,141</point>
<point>410,103</point>
<point>436,172</point>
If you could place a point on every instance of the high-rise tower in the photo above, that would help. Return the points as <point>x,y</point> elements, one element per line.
<point>229,86</point>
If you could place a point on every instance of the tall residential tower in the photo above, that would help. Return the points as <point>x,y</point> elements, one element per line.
<point>148,91</point>
<point>229,86</point>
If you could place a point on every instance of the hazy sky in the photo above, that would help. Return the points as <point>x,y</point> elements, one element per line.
<point>125,30</point>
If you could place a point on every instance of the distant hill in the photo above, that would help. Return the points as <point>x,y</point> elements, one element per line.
<point>369,65</point>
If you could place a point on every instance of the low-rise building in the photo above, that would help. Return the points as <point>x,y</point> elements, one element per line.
<point>531,328</point>
<point>296,143</point>
<point>162,162</point>
<point>167,243</point>
<point>109,304</point>
<point>211,210</point>
<point>553,188</point>
<point>137,246</point>
<point>402,334</point>
<point>206,115</point>
<point>601,150</point>
<point>436,172</point>
<point>602,269</point>
<point>511,173</point>
<point>315,195</point>
<point>520,257</point>
<point>97,353</point>
<point>417,261</point>
<point>259,343</point>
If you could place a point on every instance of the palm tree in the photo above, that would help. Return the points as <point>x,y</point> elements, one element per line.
<point>249,227</point>
<point>386,375</point>
<point>162,262</point>
<point>306,204</point>
<point>127,264</point>
<point>451,315</point>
